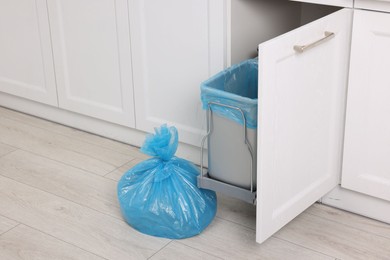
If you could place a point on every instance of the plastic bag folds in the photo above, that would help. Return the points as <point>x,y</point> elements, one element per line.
<point>237,87</point>
<point>160,197</point>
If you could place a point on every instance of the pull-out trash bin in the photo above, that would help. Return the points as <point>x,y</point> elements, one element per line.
<point>230,99</point>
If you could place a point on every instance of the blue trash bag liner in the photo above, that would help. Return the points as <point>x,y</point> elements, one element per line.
<point>235,86</point>
<point>160,197</point>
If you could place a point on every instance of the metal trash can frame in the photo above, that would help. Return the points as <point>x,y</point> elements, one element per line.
<point>231,153</point>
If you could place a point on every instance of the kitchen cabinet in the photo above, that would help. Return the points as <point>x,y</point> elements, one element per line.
<point>366,166</point>
<point>302,102</point>
<point>365,179</point>
<point>105,50</point>
<point>26,64</point>
<point>166,49</point>
<point>177,44</point>
<point>302,92</point>
<point>288,147</point>
<point>92,57</point>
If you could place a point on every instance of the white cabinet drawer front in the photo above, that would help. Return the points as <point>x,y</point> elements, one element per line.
<point>342,3</point>
<point>91,44</point>
<point>26,66</point>
<point>366,166</point>
<point>301,119</point>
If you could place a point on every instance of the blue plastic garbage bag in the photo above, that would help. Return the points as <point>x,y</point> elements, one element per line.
<point>160,197</point>
<point>235,86</point>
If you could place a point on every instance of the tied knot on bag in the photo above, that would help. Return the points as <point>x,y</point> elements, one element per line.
<point>162,144</point>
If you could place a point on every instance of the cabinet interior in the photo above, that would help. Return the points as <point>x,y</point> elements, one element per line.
<point>255,21</point>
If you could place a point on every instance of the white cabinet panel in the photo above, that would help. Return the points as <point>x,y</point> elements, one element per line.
<point>343,3</point>
<point>26,64</point>
<point>366,166</point>
<point>380,5</point>
<point>301,119</point>
<point>176,44</point>
<point>92,55</point>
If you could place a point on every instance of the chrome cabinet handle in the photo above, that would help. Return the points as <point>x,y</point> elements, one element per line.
<point>302,48</point>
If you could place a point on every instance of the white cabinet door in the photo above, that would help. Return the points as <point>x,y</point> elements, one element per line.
<point>176,44</point>
<point>301,119</point>
<point>91,45</point>
<point>26,63</point>
<point>366,165</point>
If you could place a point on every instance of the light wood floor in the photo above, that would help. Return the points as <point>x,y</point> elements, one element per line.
<point>58,201</point>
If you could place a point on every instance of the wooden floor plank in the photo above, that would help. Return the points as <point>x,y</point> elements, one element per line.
<point>50,182</point>
<point>63,180</point>
<point>119,172</point>
<point>231,241</point>
<point>61,148</point>
<point>5,149</point>
<point>6,224</point>
<point>88,229</point>
<point>350,219</point>
<point>236,211</point>
<point>23,243</point>
<point>178,251</point>
<point>73,133</point>
<point>335,239</point>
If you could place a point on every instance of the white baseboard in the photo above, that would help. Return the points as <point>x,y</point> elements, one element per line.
<point>358,203</point>
<point>89,124</point>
